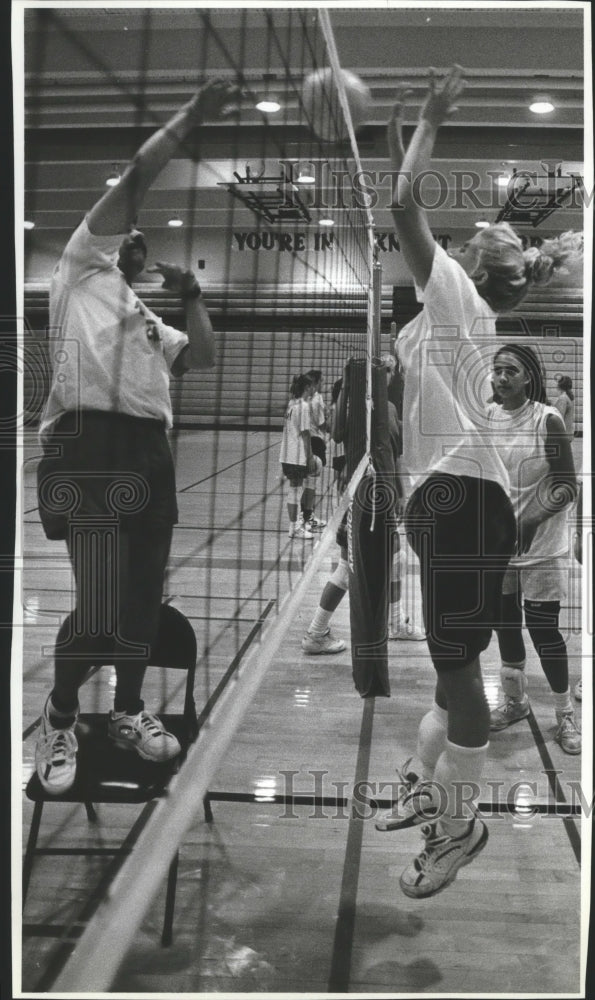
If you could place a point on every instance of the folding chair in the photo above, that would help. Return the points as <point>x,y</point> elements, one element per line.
<point>105,773</point>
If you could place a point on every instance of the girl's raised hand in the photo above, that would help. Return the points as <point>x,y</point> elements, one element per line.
<point>440,104</point>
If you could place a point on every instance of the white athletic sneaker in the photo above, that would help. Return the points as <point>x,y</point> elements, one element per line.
<point>578,690</point>
<point>415,803</point>
<point>299,530</point>
<point>441,857</point>
<point>406,630</point>
<point>508,712</point>
<point>55,755</point>
<point>143,733</point>
<point>314,644</point>
<point>315,524</point>
<point>568,735</point>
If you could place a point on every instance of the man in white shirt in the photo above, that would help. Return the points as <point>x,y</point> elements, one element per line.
<point>106,483</point>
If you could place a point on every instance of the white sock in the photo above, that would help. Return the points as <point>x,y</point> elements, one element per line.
<point>431,739</point>
<point>514,680</point>
<point>457,772</point>
<point>397,617</point>
<point>319,623</point>
<point>562,703</point>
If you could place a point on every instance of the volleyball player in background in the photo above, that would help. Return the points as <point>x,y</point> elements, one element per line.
<point>339,459</point>
<point>459,519</point>
<point>318,429</point>
<point>103,433</point>
<point>318,638</point>
<point>536,451</point>
<point>564,402</point>
<point>577,548</point>
<point>300,465</point>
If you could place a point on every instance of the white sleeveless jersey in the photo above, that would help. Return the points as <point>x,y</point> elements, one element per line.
<point>519,436</point>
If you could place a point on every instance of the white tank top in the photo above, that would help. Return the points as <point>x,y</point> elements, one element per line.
<point>519,436</point>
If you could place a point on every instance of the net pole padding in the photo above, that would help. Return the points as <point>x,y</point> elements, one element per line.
<point>108,935</point>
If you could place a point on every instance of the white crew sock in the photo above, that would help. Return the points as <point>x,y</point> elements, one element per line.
<point>563,704</point>
<point>514,681</point>
<point>319,624</point>
<point>457,773</point>
<point>397,615</point>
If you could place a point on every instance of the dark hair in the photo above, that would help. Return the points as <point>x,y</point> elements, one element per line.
<point>565,384</point>
<point>533,367</point>
<point>298,384</point>
<point>496,397</point>
<point>315,374</point>
<point>337,386</point>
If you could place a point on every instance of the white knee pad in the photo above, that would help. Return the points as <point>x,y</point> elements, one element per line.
<point>340,577</point>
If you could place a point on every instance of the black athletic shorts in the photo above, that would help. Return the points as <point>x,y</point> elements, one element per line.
<point>294,473</point>
<point>318,448</point>
<point>100,467</point>
<point>463,532</point>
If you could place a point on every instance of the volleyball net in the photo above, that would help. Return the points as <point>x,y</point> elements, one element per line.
<point>265,209</point>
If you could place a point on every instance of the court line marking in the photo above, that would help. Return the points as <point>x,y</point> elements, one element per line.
<point>552,776</point>
<point>226,468</point>
<point>341,956</point>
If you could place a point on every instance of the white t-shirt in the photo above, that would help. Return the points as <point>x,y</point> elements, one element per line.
<point>108,351</point>
<point>520,437</point>
<point>297,420</point>
<point>445,353</point>
<point>317,415</point>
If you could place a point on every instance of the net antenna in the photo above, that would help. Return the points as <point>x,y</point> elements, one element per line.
<point>374,267</point>
<point>109,933</point>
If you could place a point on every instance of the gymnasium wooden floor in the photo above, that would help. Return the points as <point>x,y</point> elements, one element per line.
<point>305,898</point>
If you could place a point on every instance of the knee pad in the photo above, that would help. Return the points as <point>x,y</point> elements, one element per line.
<point>542,621</point>
<point>340,577</point>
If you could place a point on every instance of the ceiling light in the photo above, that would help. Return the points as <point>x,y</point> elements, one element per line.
<point>175,223</point>
<point>306,176</point>
<point>114,177</point>
<point>503,180</point>
<point>28,224</point>
<point>269,104</point>
<point>541,105</point>
<point>482,224</point>
<point>326,222</point>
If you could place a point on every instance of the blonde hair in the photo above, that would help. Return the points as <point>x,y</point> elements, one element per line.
<point>505,272</point>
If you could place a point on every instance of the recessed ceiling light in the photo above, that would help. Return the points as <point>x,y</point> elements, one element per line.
<point>306,176</point>
<point>541,105</point>
<point>28,224</point>
<point>482,224</point>
<point>114,177</point>
<point>270,105</point>
<point>175,223</point>
<point>503,179</point>
<point>326,222</point>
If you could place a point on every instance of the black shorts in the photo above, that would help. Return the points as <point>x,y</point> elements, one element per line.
<point>463,532</point>
<point>294,473</point>
<point>339,462</point>
<point>318,448</point>
<point>101,467</point>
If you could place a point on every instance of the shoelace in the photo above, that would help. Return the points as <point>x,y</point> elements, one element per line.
<point>144,722</point>
<point>60,742</point>
<point>432,841</point>
<point>568,724</point>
